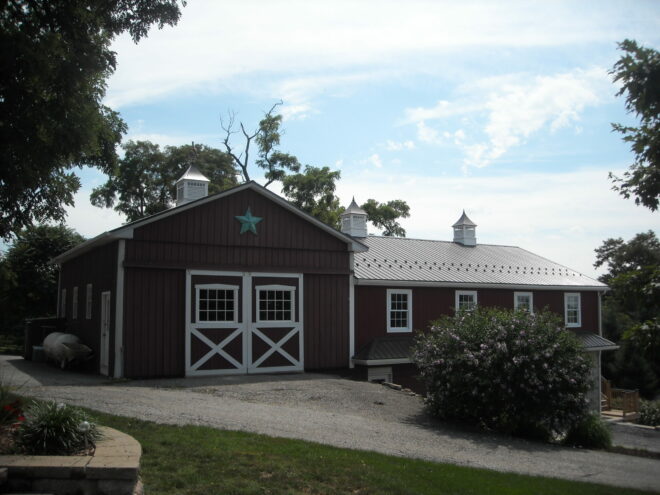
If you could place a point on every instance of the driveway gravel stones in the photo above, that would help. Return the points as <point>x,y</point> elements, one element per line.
<point>326,409</point>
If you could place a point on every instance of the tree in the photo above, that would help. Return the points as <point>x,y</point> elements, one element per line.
<point>29,279</point>
<point>638,71</point>
<point>313,191</point>
<point>54,64</point>
<point>267,137</point>
<point>143,182</point>
<point>631,308</point>
<point>385,215</point>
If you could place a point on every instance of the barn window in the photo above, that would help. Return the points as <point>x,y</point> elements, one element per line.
<point>74,303</point>
<point>275,303</point>
<point>572,309</point>
<point>399,310</point>
<point>523,301</point>
<point>216,302</point>
<point>88,302</point>
<point>466,300</point>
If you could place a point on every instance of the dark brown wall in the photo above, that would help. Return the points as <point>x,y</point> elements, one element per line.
<point>429,303</point>
<point>207,237</point>
<point>99,268</point>
<point>154,322</point>
<point>326,321</point>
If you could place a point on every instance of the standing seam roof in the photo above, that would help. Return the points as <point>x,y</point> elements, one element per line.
<point>416,260</point>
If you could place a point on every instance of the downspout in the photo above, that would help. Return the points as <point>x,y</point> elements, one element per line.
<point>351,314</point>
<point>119,311</point>
<point>59,290</point>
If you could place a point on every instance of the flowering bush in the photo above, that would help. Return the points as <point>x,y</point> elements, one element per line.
<point>649,413</point>
<point>55,429</point>
<point>12,414</point>
<point>510,371</point>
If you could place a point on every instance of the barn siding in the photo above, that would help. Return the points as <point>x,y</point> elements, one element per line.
<point>154,322</point>
<point>429,303</point>
<point>99,268</point>
<point>207,237</point>
<point>326,321</point>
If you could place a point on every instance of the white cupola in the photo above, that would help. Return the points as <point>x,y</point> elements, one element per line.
<point>465,231</point>
<point>191,186</point>
<point>354,220</point>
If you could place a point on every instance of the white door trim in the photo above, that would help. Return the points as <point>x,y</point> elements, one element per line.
<point>247,328</point>
<point>104,351</point>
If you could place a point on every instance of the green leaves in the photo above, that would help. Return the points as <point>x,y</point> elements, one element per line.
<point>54,64</point>
<point>385,215</point>
<point>143,182</point>
<point>638,72</point>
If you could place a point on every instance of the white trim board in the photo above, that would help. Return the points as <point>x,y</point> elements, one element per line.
<point>119,311</point>
<point>469,285</point>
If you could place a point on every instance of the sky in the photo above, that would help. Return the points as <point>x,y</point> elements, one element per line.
<point>503,109</point>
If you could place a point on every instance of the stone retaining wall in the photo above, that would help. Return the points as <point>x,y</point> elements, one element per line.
<point>112,470</point>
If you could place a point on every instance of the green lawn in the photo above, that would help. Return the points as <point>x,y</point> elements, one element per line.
<point>199,460</point>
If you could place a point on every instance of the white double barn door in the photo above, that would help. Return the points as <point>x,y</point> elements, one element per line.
<point>239,323</point>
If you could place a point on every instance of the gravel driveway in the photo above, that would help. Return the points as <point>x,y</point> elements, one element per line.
<point>329,410</point>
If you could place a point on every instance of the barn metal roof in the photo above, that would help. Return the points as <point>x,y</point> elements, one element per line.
<point>594,342</point>
<point>417,261</point>
<point>354,209</point>
<point>464,220</point>
<point>193,173</point>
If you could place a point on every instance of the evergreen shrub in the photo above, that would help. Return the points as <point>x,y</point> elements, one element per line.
<point>590,432</point>
<point>513,372</point>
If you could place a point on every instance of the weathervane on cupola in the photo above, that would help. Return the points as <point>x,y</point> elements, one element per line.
<point>465,231</point>
<point>192,184</point>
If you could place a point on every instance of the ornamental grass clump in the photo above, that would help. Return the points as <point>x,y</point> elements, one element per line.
<point>512,372</point>
<point>55,429</point>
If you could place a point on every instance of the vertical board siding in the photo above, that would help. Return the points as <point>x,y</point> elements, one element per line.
<point>279,228</point>
<point>99,268</point>
<point>325,321</point>
<point>429,303</point>
<point>154,322</point>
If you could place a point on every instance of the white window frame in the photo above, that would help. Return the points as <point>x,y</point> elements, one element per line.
<point>460,293</point>
<point>63,304</point>
<point>88,302</point>
<point>233,288</point>
<point>409,316</point>
<point>567,296</point>
<point>524,294</point>
<point>286,288</point>
<point>74,303</point>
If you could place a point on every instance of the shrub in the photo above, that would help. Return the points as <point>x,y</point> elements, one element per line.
<point>649,413</point>
<point>54,429</point>
<point>509,371</point>
<point>590,432</point>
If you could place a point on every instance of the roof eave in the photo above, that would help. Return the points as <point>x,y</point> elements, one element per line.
<point>475,285</point>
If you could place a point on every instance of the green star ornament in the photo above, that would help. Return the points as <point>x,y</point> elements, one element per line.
<point>248,222</point>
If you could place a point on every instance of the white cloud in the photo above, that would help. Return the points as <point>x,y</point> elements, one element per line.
<point>562,216</point>
<point>375,160</point>
<point>217,44</point>
<point>399,145</point>
<point>513,108</point>
<point>171,139</point>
